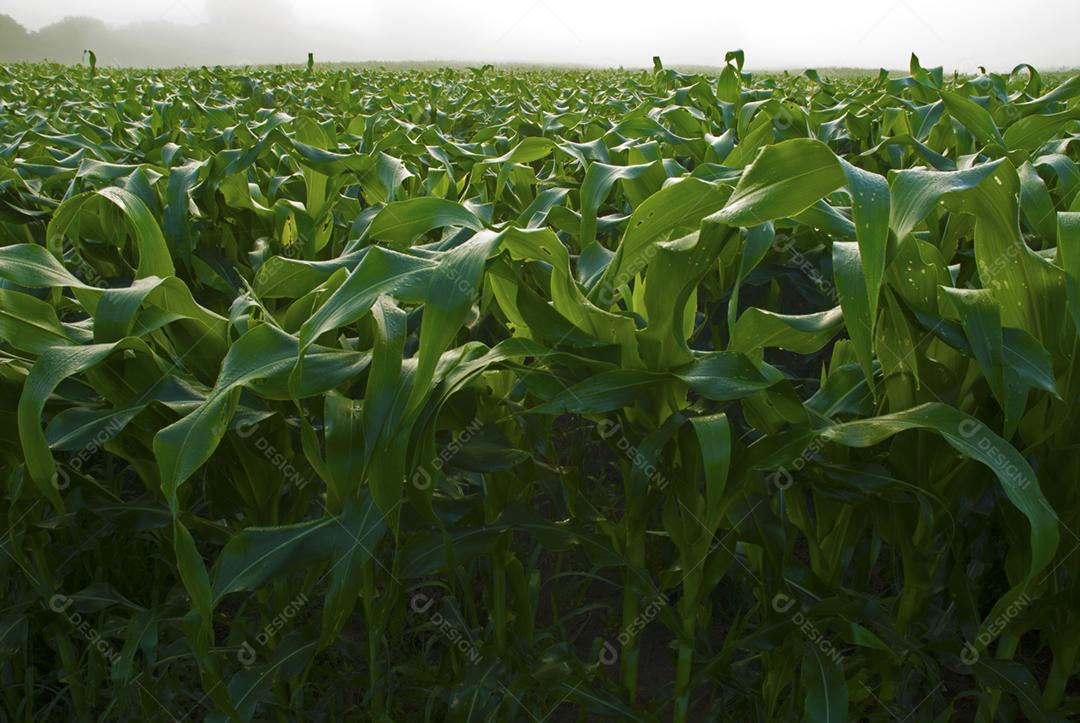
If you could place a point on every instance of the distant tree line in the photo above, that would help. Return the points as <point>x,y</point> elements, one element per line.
<point>157,43</point>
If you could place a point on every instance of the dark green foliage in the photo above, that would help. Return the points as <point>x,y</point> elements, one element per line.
<point>511,396</point>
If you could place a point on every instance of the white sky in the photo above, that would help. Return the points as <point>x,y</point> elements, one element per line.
<point>774,33</point>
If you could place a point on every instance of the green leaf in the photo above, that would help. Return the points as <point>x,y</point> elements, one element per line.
<point>54,366</point>
<point>726,376</point>
<point>154,258</point>
<point>681,204</point>
<point>184,446</point>
<point>783,180</point>
<point>257,555</point>
<point>972,439</point>
<point>801,333</point>
<point>399,223</point>
<point>974,117</point>
<point>826,690</point>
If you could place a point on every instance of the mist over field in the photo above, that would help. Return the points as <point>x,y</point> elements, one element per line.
<point>233,33</point>
<point>959,35</point>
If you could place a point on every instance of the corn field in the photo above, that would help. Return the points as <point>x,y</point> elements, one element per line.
<point>532,395</point>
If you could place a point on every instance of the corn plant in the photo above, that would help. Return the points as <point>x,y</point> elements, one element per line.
<point>507,395</point>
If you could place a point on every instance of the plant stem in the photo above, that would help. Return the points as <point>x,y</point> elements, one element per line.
<point>374,633</point>
<point>1059,677</point>
<point>683,669</point>
<point>635,550</point>
<point>498,593</point>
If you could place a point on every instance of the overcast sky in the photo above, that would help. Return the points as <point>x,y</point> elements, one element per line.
<point>959,34</point>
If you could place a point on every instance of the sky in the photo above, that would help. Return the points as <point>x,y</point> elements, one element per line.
<point>958,34</point>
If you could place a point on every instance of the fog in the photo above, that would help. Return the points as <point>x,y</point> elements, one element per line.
<point>960,34</point>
